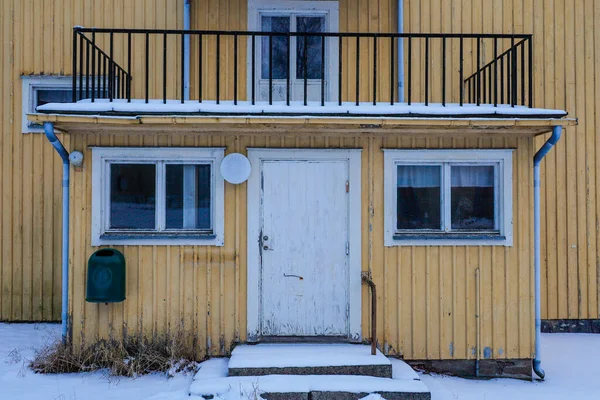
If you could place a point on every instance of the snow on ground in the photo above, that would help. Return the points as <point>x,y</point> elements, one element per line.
<point>570,361</point>
<point>17,344</point>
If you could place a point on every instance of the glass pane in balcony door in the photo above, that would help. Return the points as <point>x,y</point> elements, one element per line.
<point>279,46</point>
<point>313,45</point>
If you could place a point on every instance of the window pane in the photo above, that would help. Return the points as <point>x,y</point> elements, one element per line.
<point>472,193</point>
<point>313,47</point>
<point>132,196</point>
<point>418,189</point>
<point>188,196</point>
<point>279,47</point>
<point>45,96</point>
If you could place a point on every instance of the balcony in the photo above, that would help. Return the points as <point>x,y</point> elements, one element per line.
<point>133,71</point>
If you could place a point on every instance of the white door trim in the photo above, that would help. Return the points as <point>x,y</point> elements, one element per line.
<point>256,156</point>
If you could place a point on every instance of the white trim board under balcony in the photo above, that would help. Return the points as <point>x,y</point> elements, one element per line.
<point>246,108</point>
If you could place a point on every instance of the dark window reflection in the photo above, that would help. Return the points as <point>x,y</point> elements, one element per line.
<point>45,96</point>
<point>313,47</point>
<point>472,193</point>
<point>279,46</point>
<point>188,196</point>
<point>132,196</point>
<point>418,190</point>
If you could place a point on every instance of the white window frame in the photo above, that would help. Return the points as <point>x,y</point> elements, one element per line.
<point>328,9</point>
<point>30,85</point>
<point>103,157</point>
<point>501,159</point>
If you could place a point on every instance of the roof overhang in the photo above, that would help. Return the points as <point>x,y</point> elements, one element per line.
<point>247,124</point>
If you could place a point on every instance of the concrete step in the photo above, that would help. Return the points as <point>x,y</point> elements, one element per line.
<point>212,382</point>
<point>308,359</point>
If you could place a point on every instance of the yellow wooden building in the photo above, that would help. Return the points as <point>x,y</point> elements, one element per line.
<point>445,291</point>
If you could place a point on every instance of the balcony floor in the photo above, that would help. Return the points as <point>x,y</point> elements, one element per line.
<point>296,109</point>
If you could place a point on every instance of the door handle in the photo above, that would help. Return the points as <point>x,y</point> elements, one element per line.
<point>293,276</point>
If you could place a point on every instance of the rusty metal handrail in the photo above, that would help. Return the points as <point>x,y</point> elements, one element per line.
<point>371,284</point>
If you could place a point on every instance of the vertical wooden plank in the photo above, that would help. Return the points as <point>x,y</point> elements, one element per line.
<point>544,94</point>
<point>571,167</point>
<point>459,308</point>
<point>37,200</point>
<point>560,190</point>
<point>471,265</point>
<point>596,39</point>
<point>446,299</point>
<point>590,107</point>
<point>580,162</point>
<point>378,266</point>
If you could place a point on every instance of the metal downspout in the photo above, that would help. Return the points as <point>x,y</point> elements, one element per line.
<point>537,159</point>
<point>400,52</point>
<point>186,50</point>
<point>64,155</point>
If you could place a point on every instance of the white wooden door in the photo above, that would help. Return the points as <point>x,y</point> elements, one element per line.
<point>304,248</point>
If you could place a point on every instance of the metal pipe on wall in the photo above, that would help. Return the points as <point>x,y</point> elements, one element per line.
<point>537,159</point>
<point>186,49</point>
<point>478,316</point>
<point>400,52</point>
<point>64,155</point>
<point>371,284</point>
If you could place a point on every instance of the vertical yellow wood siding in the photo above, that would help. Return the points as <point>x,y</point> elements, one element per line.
<point>566,76</point>
<point>427,295</point>
<point>35,38</point>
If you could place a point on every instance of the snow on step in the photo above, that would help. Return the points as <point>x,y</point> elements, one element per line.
<point>401,370</point>
<point>304,355</point>
<point>212,380</point>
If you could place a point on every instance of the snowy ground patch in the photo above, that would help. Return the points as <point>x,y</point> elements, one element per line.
<point>569,359</point>
<point>17,347</point>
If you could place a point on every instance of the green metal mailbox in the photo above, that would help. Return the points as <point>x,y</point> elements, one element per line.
<point>106,277</point>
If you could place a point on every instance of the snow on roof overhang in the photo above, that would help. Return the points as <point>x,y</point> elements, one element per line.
<point>139,108</point>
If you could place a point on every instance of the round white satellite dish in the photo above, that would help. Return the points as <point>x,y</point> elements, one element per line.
<point>235,168</point>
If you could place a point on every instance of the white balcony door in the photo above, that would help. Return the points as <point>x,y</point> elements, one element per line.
<point>288,60</point>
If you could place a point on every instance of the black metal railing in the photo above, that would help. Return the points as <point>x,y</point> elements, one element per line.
<point>95,73</point>
<point>350,67</point>
<point>505,79</point>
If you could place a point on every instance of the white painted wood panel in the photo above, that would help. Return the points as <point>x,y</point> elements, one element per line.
<point>305,277</point>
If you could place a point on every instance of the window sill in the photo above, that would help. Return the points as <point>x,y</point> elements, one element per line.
<point>154,238</point>
<point>449,239</point>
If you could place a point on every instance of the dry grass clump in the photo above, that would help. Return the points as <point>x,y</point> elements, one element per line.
<point>130,357</point>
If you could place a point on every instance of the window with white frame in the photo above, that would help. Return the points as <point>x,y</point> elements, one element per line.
<point>38,90</point>
<point>157,196</point>
<point>283,58</point>
<point>448,197</point>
